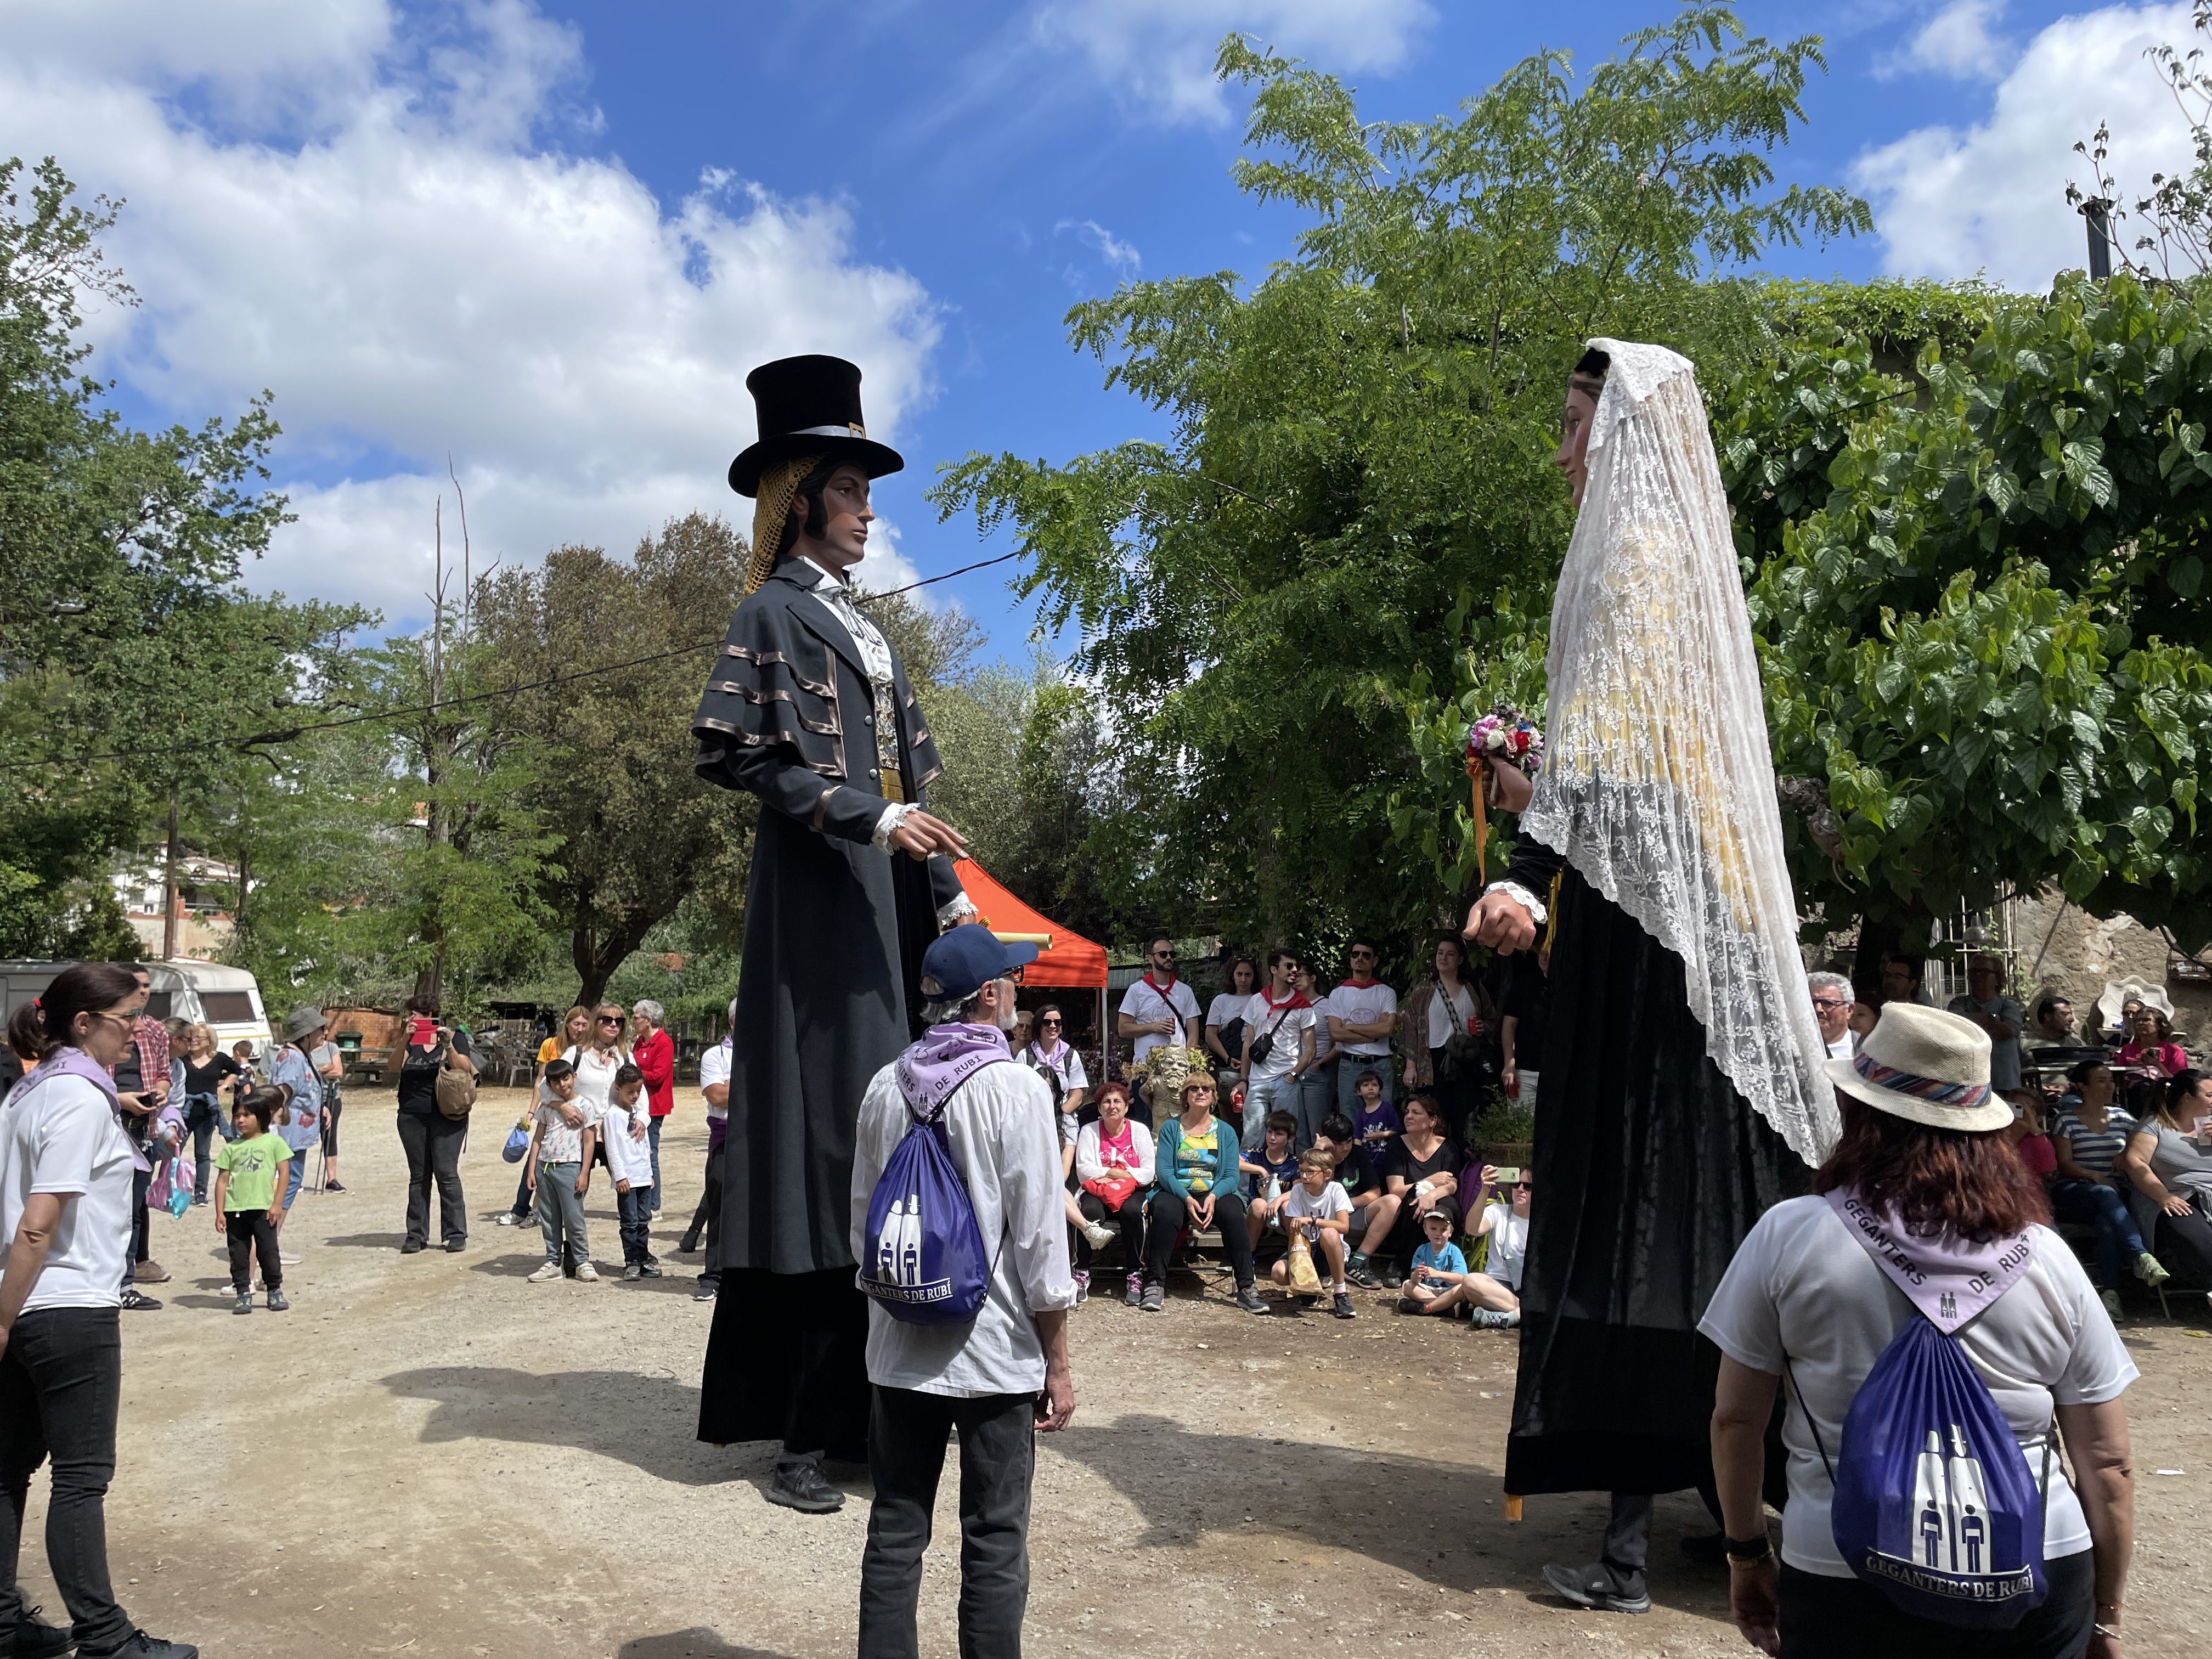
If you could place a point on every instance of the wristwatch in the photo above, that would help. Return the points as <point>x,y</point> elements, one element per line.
<point>1747,1551</point>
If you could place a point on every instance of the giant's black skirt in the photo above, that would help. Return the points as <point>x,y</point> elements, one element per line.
<point>787,1360</point>
<point>1650,1170</point>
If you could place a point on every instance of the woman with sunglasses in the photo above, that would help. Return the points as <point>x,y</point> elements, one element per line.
<point>66,1198</point>
<point>597,1061</point>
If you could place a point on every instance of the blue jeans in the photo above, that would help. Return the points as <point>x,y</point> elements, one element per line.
<point>1317,1095</point>
<point>1263,1094</point>
<point>296,1179</point>
<point>2091,1203</point>
<point>633,1211</point>
<point>1348,1068</point>
<point>653,1134</point>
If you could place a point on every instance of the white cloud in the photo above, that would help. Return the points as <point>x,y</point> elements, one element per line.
<point>1160,53</point>
<point>1111,248</point>
<point>1949,203</point>
<point>1958,41</point>
<point>361,215</point>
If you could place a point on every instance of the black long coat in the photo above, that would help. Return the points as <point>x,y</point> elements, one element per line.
<point>834,929</point>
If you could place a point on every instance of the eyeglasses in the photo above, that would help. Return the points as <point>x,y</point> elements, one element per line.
<point>1369,954</point>
<point>1164,956</point>
<point>1829,1002</point>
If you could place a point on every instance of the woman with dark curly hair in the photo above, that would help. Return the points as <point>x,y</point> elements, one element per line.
<point>1922,1210</point>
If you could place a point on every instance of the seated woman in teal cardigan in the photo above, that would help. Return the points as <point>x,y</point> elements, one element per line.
<point>1196,1180</point>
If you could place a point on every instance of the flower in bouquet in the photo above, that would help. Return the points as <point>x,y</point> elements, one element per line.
<point>1508,738</point>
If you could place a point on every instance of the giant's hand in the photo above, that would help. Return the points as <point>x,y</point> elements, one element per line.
<point>922,837</point>
<point>1500,922</point>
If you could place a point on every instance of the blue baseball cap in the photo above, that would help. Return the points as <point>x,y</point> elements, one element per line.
<point>961,962</point>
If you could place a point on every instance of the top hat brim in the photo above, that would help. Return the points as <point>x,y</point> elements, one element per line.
<point>874,458</point>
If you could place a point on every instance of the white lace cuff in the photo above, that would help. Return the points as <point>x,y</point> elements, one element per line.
<point>1520,895</point>
<point>956,911</point>
<point>894,815</point>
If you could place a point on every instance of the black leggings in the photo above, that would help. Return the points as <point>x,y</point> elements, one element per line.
<point>1166,1214</point>
<point>246,1233</point>
<point>1131,1219</point>
<point>331,1106</point>
<point>2189,1238</point>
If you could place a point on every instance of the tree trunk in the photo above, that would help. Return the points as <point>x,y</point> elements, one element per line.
<point>596,959</point>
<point>437,831</point>
<point>169,884</point>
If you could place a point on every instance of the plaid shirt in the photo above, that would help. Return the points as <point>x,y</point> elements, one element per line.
<point>152,1038</point>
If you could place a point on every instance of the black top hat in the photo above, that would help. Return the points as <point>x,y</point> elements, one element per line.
<point>809,406</point>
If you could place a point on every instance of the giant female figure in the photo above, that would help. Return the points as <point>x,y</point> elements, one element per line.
<point>1683,1093</point>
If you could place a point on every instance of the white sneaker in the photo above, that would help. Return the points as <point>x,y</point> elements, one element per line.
<point>1099,1233</point>
<point>508,1218</point>
<point>285,1258</point>
<point>587,1272</point>
<point>546,1272</point>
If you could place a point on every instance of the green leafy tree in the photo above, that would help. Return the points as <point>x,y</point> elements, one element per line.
<point>1360,440</point>
<point>634,832</point>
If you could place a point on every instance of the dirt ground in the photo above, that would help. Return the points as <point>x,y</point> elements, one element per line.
<point>430,1456</point>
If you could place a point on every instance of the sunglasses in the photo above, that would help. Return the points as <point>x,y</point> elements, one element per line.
<point>1048,1022</point>
<point>1827,1002</point>
<point>610,1019</point>
<point>1162,955</point>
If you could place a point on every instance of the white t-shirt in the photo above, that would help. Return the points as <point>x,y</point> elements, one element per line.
<point>626,1159</point>
<point>1284,1027</point>
<point>1508,1244</point>
<point>62,1137</point>
<point>1802,1287</point>
<point>1229,1005</point>
<point>1363,1004</point>
<point>1142,1003</point>
<point>1449,1015</point>
<point>1331,1201</point>
<point>714,1068</point>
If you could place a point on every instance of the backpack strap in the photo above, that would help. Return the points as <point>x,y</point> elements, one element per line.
<point>1807,1412</point>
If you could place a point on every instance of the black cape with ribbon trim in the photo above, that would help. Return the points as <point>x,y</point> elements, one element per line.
<point>1650,1169</point>
<point>834,932</point>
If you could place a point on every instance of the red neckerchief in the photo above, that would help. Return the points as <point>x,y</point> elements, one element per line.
<point>1296,1000</point>
<point>1368,983</point>
<point>1158,989</point>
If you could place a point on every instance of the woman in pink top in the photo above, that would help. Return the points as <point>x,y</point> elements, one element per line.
<point>1114,1167</point>
<point>2150,1042</point>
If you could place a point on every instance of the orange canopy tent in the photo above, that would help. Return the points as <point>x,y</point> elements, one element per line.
<point>1066,960</point>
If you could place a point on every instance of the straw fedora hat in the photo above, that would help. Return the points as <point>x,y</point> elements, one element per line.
<point>1924,1065</point>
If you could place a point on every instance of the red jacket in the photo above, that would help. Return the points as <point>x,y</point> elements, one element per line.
<point>656,1058</point>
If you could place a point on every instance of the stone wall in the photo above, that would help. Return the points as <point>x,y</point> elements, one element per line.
<point>2080,953</point>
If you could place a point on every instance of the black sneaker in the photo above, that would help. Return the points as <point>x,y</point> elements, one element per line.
<point>1340,1305</point>
<point>688,1244</point>
<point>456,1243</point>
<point>1249,1299</point>
<point>802,1486</point>
<point>245,1303</point>
<point>142,1646</point>
<point>1592,1586</point>
<point>136,1301</point>
<point>332,1186</point>
<point>278,1302</point>
<point>705,1292</point>
<point>1412,1305</point>
<point>36,1641</point>
<point>1358,1274</point>
<point>648,1268</point>
<point>412,1247</point>
<point>1391,1278</point>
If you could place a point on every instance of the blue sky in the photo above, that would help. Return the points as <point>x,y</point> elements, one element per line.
<point>550,240</point>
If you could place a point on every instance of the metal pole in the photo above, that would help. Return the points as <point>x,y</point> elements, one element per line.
<point>2097,213</point>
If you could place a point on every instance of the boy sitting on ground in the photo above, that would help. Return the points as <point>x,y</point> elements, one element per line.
<point>1355,1173</point>
<point>1319,1208</point>
<point>1438,1284</point>
<point>1275,1162</point>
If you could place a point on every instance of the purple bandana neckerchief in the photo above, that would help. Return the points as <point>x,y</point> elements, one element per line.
<point>1949,1278</point>
<point>946,1057</point>
<point>71,1062</point>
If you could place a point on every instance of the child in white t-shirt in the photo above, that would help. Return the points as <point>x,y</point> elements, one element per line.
<point>1320,1206</point>
<point>559,1174</point>
<point>630,1164</point>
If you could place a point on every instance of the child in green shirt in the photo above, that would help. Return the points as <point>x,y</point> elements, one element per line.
<point>249,1190</point>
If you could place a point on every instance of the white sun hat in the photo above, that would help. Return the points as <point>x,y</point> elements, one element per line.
<point>1927,1066</point>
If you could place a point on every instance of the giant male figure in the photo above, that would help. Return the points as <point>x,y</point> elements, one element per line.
<point>808,708</point>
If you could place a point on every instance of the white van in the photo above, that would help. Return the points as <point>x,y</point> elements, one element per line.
<point>226,999</point>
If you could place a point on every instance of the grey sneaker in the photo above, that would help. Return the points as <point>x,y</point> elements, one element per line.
<point>1593,1587</point>
<point>1133,1291</point>
<point>2150,1270</point>
<point>1494,1319</point>
<point>648,1268</point>
<point>1249,1299</point>
<point>245,1303</point>
<point>1340,1305</point>
<point>1155,1298</point>
<point>277,1304</point>
<point>631,1270</point>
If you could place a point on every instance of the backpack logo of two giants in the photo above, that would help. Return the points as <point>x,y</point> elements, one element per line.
<point>898,1270</point>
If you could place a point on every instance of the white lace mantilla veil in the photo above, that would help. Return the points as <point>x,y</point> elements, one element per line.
<point>1658,781</point>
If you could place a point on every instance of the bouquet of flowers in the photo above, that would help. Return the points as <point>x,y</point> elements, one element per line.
<point>1506,737</point>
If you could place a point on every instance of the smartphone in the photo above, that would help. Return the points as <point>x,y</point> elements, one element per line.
<point>1509,1175</point>
<point>422,1032</point>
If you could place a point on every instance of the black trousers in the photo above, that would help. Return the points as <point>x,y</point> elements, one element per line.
<point>201,1115</point>
<point>907,1432</point>
<point>788,1360</point>
<point>432,1144</point>
<point>708,1217</point>
<point>1130,1217</point>
<point>142,1223</point>
<point>2189,1238</point>
<point>247,1231</point>
<point>61,1380</point>
<point>1844,1619</point>
<point>1166,1214</point>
